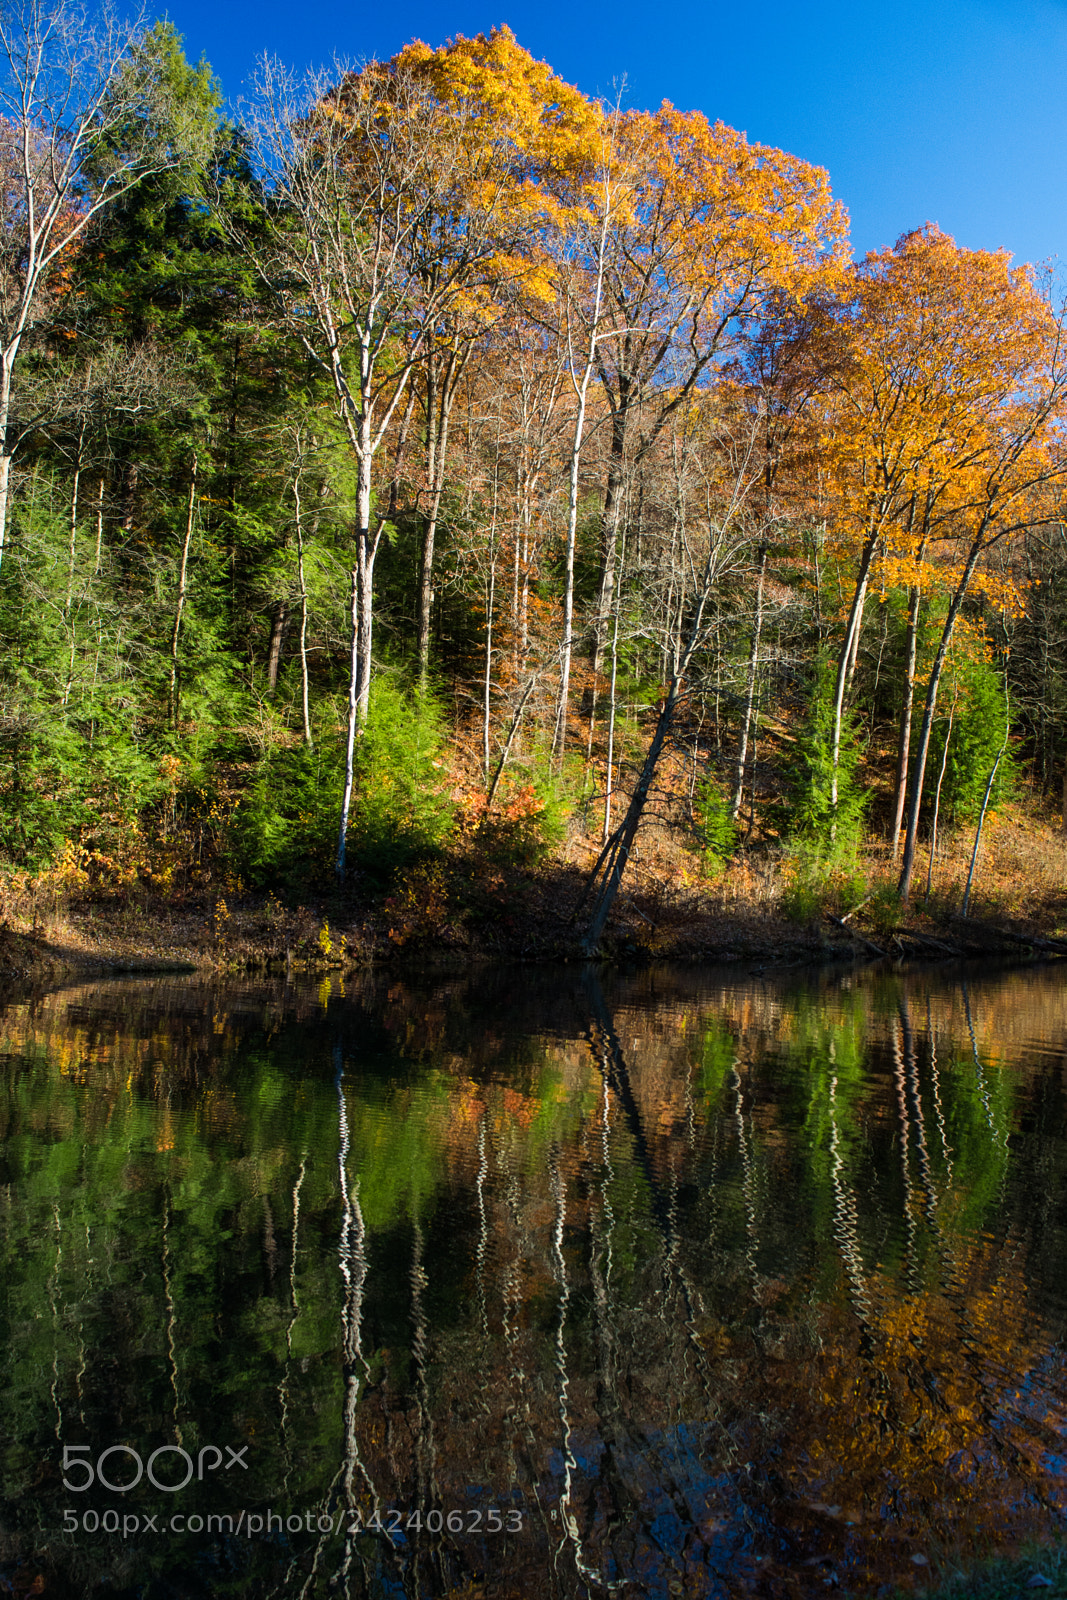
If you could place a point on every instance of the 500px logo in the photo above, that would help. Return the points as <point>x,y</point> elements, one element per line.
<point>209,1459</point>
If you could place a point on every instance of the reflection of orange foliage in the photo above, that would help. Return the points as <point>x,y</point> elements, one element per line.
<point>517,1109</point>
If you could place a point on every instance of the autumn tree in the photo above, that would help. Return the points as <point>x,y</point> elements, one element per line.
<point>715,228</point>
<point>386,185</point>
<point>944,376</point>
<point>522,139</point>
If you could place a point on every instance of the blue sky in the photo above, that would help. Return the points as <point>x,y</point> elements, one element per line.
<point>948,112</point>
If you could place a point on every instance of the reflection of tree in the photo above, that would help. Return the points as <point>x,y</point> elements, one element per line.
<point>629,1448</point>
<point>294,1313</point>
<point>935,1090</point>
<point>571,1531</point>
<point>748,1181</point>
<point>905,1155</point>
<point>483,1228</point>
<point>700,1282</point>
<point>845,1220</point>
<point>172,1318</point>
<point>427,1489</point>
<point>352,1260</point>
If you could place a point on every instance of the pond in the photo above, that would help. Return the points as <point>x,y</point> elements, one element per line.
<point>531,1283</point>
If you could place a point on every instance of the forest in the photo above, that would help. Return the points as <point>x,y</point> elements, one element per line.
<point>437,478</point>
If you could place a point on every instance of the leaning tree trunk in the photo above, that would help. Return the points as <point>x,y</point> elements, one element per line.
<point>616,852</point>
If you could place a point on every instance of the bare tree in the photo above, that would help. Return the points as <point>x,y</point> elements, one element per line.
<point>84,117</point>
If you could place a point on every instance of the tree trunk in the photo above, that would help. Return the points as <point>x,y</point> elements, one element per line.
<point>426,585</point>
<point>857,634</point>
<point>303,613</point>
<point>180,607</point>
<point>487,686</point>
<point>617,587</point>
<point>353,722</point>
<point>274,648</point>
<point>7,444</point>
<point>581,391</point>
<point>73,551</point>
<point>560,738</point>
<point>610,524</point>
<point>750,690</point>
<point>362,604</point>
<point>919,770</point>
<point>937,800</point>
<point>438,413</point>
<point>366,551</point>
<point>99,525</point>
<point>843,662</point>
<point>904,743</point>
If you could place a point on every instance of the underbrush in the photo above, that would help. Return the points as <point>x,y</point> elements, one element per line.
<point>456,878</point>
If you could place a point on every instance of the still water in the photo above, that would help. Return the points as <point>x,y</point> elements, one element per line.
<point>688,1283</point>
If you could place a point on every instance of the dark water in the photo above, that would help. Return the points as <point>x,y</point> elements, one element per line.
<point>531,1284</point>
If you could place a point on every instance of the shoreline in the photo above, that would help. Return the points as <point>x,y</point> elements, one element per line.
<point>249,934</point>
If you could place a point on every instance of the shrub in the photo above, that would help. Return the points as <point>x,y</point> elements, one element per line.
<point>977,736</point>
<point>400,811</point>
<point>285,828</point>
<point>828,836</point>
<point>716,829</point>
<point>522,827</point>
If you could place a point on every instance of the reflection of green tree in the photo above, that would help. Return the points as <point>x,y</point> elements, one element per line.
<point>829,1051</point>
<point>399,1152</point>
<point>820,1086</point>
<point>979,1114</point>
<point>154,1218</point>
<point>135,1260</point>
<point>718,1052</point>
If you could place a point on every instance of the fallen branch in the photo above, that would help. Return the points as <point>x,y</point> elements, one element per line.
<point>928,939</point>
<point>1032,940</point>
<point>866,943</point>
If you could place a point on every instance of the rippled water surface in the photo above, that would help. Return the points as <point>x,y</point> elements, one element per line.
<point>531,1284</point>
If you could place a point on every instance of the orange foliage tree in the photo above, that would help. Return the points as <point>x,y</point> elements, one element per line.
<point>946,378</point>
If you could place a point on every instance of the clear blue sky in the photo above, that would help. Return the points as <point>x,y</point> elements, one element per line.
<point>948,112</point>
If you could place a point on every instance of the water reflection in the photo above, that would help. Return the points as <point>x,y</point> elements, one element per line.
<point>679,1284</point>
